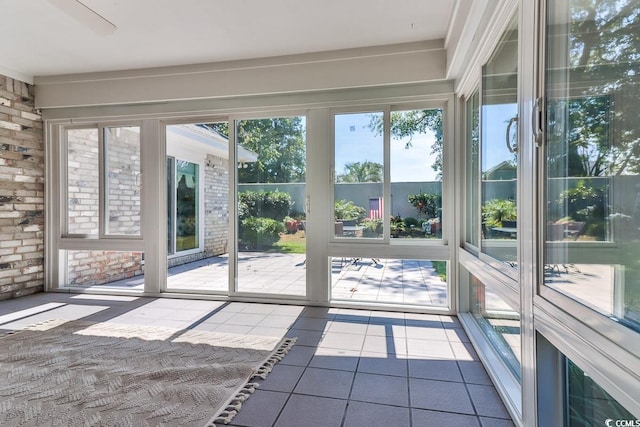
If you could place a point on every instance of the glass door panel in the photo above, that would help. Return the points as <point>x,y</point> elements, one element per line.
<point>592,166</point>
<point>198,207</point>
<point>499,152</point>
<point>271,194</point>
<point>359,175</point>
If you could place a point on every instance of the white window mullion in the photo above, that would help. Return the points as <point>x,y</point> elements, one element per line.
<point>102,184</point>
<point>386,208</point>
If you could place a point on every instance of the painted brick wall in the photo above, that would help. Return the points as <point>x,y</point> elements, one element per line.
<point>21,191</point>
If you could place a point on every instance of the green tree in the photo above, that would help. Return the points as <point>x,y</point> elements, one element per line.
<point>603,134</point>
<point>278,142</point>
<point>366,171</point>
<point>280,146</point>
<point>407,124</point>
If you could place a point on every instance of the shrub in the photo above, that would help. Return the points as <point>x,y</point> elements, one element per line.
<point>346,209</point>
<point>372,228</point>
<point>427,203</point>
<point>259,233</point>
<point>497,210</point>
<point>266,204</point>
<point>583,202</point>
<point>411,222</point>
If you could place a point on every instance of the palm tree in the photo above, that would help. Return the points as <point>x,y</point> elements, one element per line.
<point>366,171</point>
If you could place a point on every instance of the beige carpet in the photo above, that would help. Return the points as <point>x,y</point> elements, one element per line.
<point>103,374</point>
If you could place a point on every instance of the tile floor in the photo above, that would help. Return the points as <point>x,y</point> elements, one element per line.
<point>349,367</point>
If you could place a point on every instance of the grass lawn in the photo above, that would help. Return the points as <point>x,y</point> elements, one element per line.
<point>441,269</point>
<point>291,243</point>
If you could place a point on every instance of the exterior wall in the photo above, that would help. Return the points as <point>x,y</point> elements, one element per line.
<point>216,211</point>
<point>216,205</point>
<point>21,191</point>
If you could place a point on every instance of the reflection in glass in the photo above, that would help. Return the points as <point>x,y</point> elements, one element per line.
<point>271,218</point>
<point>187,188</point>
<point>588,404</point>
<point>592,149</point>
<point>472,169</point>
<point>83,182</point>
<point>499,153</point>
<point>416,174</point>
<point>499,320</point>
<point>122,180</point>
<point>359,175</point>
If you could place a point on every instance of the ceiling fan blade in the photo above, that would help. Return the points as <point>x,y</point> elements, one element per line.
<point>85,15</point>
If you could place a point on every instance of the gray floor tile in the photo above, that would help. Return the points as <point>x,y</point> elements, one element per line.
<point>261,409</point>
<point>374,363</point>
<point>318,312</point>
<point>428,349</point>
<point>361,414</point>
<point>344,327</point>
<point>311,411</point>
<point>330,358</point>
<point>439,396</point>
<point>456,335</point>
<point>277,321</point>
<point>308,338</point>
<point>382,389</point>
<point>474,373</point>
<point>421,333</point>
<point>246,319</point>
<point>424,418</point>
<point>311,324</point>
<point>444,370</point>
<point>486,400</point>
<point>495,422</point>
<point>464,351</point>
<point>282,378</point>
<point>299,355</point>
<point>342,341</point>
<point>385,345</point>
<point>325,382</point>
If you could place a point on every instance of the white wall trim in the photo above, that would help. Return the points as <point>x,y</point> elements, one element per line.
<point>351,68</point>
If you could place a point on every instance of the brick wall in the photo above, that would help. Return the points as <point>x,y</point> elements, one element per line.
<point>216,205</point>
<point>21,191</point>
<point>85,268</point>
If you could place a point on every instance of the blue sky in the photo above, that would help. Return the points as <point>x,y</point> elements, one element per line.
<point>355,142</point>
<point>495,118</point>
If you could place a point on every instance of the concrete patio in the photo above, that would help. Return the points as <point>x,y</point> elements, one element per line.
<point>412,282</point>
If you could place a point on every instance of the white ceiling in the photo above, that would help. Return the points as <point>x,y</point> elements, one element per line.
<point>150,33</point>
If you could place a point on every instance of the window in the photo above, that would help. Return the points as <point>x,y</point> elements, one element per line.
<point>414,170</point>
<point>103,181</point>
<point>472,169</point>
<point>592,169</point>
<point>499,150</point>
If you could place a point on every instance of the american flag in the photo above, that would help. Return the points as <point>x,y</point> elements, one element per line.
<point>375,208</point>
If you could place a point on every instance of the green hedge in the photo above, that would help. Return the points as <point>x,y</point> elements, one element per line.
<point>259,233</point>
<point>264,204</point>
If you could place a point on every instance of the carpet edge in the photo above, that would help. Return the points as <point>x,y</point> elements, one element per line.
<point>233,405</point>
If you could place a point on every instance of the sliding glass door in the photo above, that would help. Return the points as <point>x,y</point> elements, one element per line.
<point>271,197</point>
